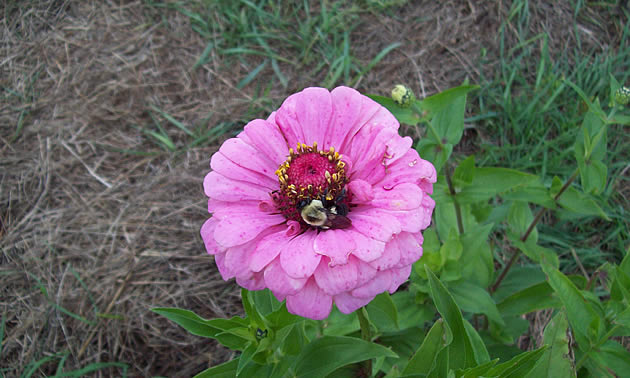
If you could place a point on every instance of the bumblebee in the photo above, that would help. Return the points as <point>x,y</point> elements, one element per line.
<point>325,214</point>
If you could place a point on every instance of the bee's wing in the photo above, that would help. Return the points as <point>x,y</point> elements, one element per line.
<point>338,221</point>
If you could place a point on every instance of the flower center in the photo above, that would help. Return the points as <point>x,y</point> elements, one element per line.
<point>310,176</point>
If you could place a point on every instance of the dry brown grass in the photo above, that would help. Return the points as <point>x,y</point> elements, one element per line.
<point>127,225</point>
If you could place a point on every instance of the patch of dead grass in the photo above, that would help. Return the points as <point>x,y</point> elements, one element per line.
<point>81,75</point>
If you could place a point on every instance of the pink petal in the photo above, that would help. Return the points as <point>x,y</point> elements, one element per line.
<point>428,204</point>
<point>287,121</point>
<point>368,152</point>
<point>410,168</point>
<point>216,185</point>
<point>336,244</point>
<point>410,220</point>
<point>347,109</point>
<point>230,231</point>
<point>207,234</point>
<point>313,111</point>
<point>226,274</point>
<point>221,164</point>
<point>267,250</point>
<point>365,272</point>
<point>410,249</point>
<point>390,257</point>
<point>268,139</point>
<point>399,276</point>
<point>347,304</point>
<point>253,282</point>
<point>373,116</point>
<point>375,223</point>
<point>382,117</point>
<point>248,157</point>
<point>298,259</point>
<point>397,147</point>
<point>222,209</point>
<point>279,282</point>
<point>367,249</point>
<point>310,302</point>
<point>336,279</point>
<point>237,259</point>
<point>405,196</point>
<point>361,190</point>
<point>380,283</point>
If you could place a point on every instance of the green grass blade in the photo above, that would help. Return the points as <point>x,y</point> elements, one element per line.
<point>375,61</point>
<point>172,120</point>
<point>94,367</point>
<point>251,76</point>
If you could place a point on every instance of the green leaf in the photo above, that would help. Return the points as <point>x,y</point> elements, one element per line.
<point>340,324</point>
<point>232,333</point>
<point>579,311</point>
<point>423,361</point>
<point>555,361</point>
<point>442,363</point>
<point>517,279</point>
<point>477,262</point>
<point>593,175</point>
<point>447,112</point>
<point>518,366</point>
<point>475,299</point>
<point>535,192</point>
<point>620,287</point>
<point>533,250</point>
<point>478,371</point>
<point>460,354</point>
<point>382,312</point>
<point>329,353</point>
<point>290,339</point>
<point>251,310</point>
<point>403,115</point>
<point>533,298</point>
<point>519,219</point>
<point>281,368</point>
<point>614,85</point>
<point>464,172</point>
<point>575,201</point>
<point>246,357</point>
<point>614,357</point>
<point>478,346</point>
<point>434,151</point>
<point>225,370</point>
<point>410,313</point>
<point>265,302</point>
<point>196,324</point>
<point>490,181</point>
<point>623,318</point>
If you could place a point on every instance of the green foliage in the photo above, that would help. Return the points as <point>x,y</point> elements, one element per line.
<point>482,213</point>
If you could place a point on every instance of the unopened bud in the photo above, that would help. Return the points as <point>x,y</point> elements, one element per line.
<point>403,96</point>
<point>622,96</point>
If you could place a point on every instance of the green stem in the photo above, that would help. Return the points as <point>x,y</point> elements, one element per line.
<point>366,334</point>
<point>430,127</point>
<point>458,210</point>
<point>529,230</point>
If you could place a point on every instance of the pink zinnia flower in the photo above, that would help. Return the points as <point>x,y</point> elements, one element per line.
<point>321,203</point>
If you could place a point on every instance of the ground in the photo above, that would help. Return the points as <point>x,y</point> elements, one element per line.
<point>100,219</point>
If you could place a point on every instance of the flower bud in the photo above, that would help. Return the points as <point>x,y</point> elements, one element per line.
<point>622,96</point>
<point>403,96</point>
